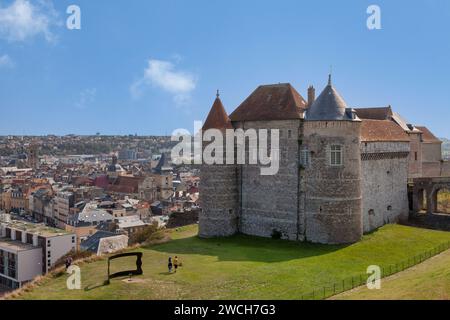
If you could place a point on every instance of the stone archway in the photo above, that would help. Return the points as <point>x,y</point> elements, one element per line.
<point>434,195</point>
<point>425,194</point>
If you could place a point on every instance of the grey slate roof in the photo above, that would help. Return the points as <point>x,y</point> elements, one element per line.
<point>404,124</point>
<point>163,165</point>
<point>328,106</point>
<point>91,214</point>
<point>92,243</point>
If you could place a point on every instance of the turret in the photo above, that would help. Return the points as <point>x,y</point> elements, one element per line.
<point>332,177</point>
<point>218,184</point>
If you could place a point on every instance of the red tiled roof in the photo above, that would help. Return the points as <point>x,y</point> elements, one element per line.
<point>382,130</point>
<point>217,117</point>
<point>428,136</point>
<point>271,102</point>
<point>375,113</point>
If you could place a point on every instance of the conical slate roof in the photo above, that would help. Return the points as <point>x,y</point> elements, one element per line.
<point>328,106</point>
<point>217,117</point>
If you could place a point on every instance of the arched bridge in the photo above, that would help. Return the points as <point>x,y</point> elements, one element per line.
<point>423,194</point>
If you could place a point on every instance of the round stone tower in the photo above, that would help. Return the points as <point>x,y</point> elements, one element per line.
<point>332,176</point>
<point>218,184</point>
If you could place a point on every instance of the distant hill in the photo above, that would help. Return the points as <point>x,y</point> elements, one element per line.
<point>446,148</point>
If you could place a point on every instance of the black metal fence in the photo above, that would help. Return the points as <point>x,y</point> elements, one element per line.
<point>361,279</point>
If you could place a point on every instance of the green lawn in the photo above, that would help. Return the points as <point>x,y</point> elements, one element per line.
<point>427,281</point>
<point>244,267</point>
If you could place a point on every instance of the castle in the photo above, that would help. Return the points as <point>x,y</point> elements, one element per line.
<point>343,172</point>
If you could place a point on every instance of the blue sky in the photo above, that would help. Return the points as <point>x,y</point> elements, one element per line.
<point>149,67</point>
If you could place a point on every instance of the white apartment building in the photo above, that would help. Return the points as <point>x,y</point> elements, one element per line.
<point>28,250</point>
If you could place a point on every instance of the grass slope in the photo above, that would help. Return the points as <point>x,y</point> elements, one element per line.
<point>427,281</point>
<point>244,267</point>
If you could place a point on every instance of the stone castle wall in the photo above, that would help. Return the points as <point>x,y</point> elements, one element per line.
<point>385,174</point>
<point>270,203</point>
<point>431,169</point>
<point>445,169</point>
<point>333,197</point>
<point>320,203</point>
<point>415,156</point>
<point>219,200</point>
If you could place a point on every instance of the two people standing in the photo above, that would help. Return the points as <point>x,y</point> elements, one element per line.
<point>173,264</point>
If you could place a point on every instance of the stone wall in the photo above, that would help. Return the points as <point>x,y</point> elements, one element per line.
<point>445,171</point>
<point>218,200</point>
<point>270,203</point>
<point>385,183</point>
<point>432,152</point>
<point>333,201</point>
<point>431,169</point>
<point>415,156</point>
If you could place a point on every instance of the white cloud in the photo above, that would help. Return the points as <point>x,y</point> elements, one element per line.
<point>86,98</point>
<point>6,61</point>
<point>163,75</point>
<point>22,20</point>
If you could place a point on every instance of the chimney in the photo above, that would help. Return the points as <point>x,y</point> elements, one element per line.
<point>311,95</point>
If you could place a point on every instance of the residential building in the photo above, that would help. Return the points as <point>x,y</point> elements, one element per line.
<point>28,250</point>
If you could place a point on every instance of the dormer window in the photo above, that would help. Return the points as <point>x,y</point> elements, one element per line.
<point>336,155</point>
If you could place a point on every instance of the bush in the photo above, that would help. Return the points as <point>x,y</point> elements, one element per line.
<point>145,234</point>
